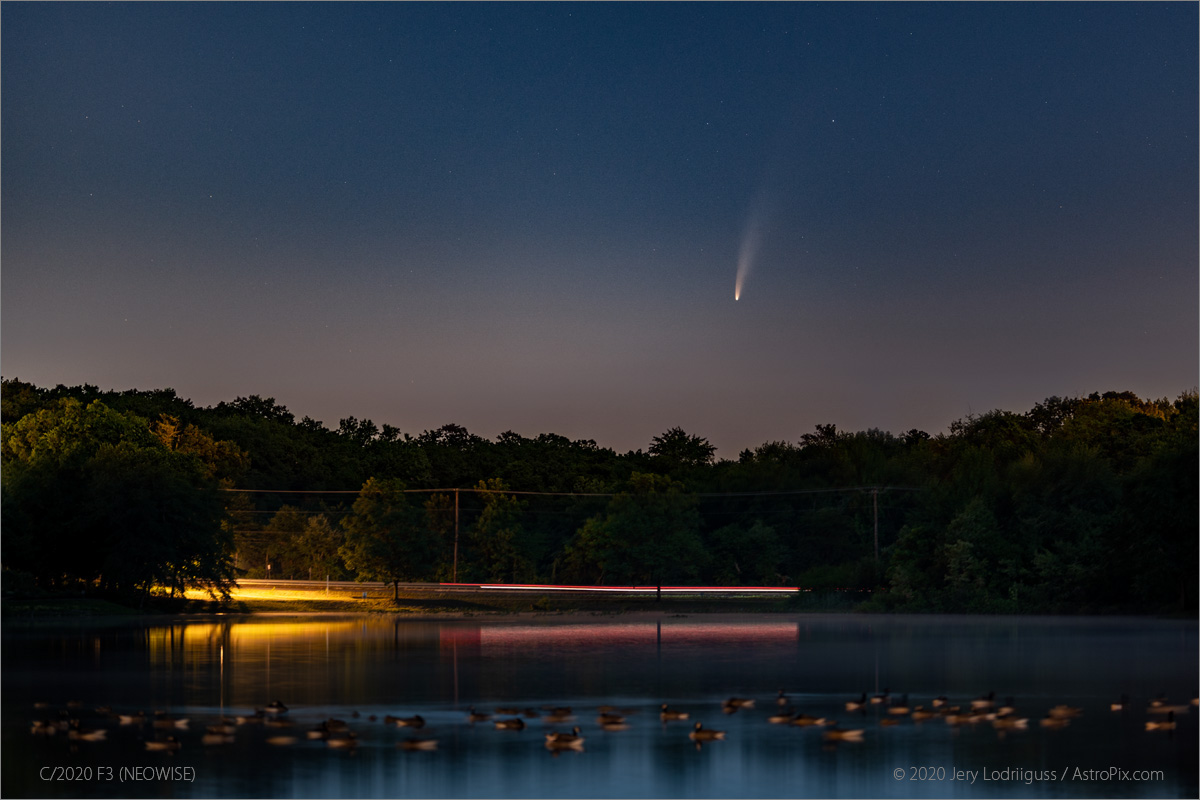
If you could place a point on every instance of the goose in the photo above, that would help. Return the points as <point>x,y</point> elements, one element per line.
<point>474,716</point>
<point>1063,711</point>
<point>986,702</point>
<point>702,734</point>
<point>1166,725</point>
<point>560,714</point>
<point>1007,709</point>
<point>610,718</point>
<point>920,713</point>
<point>783,716</point>
<point>531,713</point>
<point>415,721</point>
<point>332,725</point>
<point>836,734</point>
<point>900,707</point>
<point>560,741</point>
<point>889,721</point>
<point>168,723</point>
<point>276,707</point>
<point>1054,723</point>
<point>170,744</point>
<point>804,721</point>
<point>223,728</point>
<point>857,705</point>
<point>281,741</point>
<point>418,744</point>
<point>514,724</point>
<point>782,699</point>
<point>940,701</point>
<point>882,697</point>
<point>1120,705</point>
<point>732,705</point>
<point>81,735</point>
<point>211,739</point>
<point>505,711</point>
<point>668,713</point>
<point>343,741</point>
<point>1007,722</point>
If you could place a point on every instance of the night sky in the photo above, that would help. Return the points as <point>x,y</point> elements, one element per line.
<point>530,217</point>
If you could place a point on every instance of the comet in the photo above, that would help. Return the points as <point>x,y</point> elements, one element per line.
<point>751,237</point>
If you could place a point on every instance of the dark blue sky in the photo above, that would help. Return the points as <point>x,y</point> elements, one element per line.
<point>529,217</point>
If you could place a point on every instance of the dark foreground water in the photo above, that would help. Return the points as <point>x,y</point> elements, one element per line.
<point>355,668</point>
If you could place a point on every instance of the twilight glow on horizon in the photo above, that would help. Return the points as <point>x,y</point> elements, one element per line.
<point>526,216</point>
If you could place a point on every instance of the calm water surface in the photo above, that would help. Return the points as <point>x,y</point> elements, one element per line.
<point>353,668</point>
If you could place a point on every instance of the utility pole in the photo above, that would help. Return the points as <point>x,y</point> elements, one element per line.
<point>455,578</point>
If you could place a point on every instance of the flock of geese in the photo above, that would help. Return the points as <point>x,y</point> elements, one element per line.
<point>160,731</point>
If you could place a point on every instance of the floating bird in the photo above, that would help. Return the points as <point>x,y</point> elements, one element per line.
<point>559,715</point>
<point>900,707</point>
<point>888,721</point>
<point>610,718</point>
<point>418,744</point>
<point>804,720</point>
<point>415,721</point>
<point>882,697</point>
<point>836,734</point>
<point>938,702</point>
<point>277,707</point>
<point>701,734</point>
<point>1121,704</point>
<point>342,741</point>
<point>857,705</point>
<point>1007,722</point>
<point>920,713</point>
<point>81,735</point>
<point>782,717</point>
<point>170,745</point>
<point>1054,723</point>
<point>733,704</point>
<point>667,713</point>
<point>281,741</point>
<point>1166,725</point>
<point>215,739</point>
<point>167,723</point>
<point>1062,711</point>
<point>514,724</point>
<point>782,699</point>
<point>474,716</point>
<point>563,741</point>
<point>505,711</point>
<point>986,702</point>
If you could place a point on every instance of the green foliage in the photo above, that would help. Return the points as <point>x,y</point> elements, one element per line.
<point>93,497</point>
<point>1080,504</point>
<point>648,535</point>
<point>386,536</point>
<point>497,537</point>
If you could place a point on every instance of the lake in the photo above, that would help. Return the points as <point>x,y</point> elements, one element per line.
<point>355,668</point>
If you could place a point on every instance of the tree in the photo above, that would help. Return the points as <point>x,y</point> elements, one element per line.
<point>677,450</point>
<point>386,538</point>
<point>92,496</point>
<point>647,535</point>
<point>497,535</point>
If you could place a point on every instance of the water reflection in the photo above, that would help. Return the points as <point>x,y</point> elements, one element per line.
<point>357,668</point>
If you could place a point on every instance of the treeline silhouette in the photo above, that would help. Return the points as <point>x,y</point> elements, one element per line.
<point>1084,504</point>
